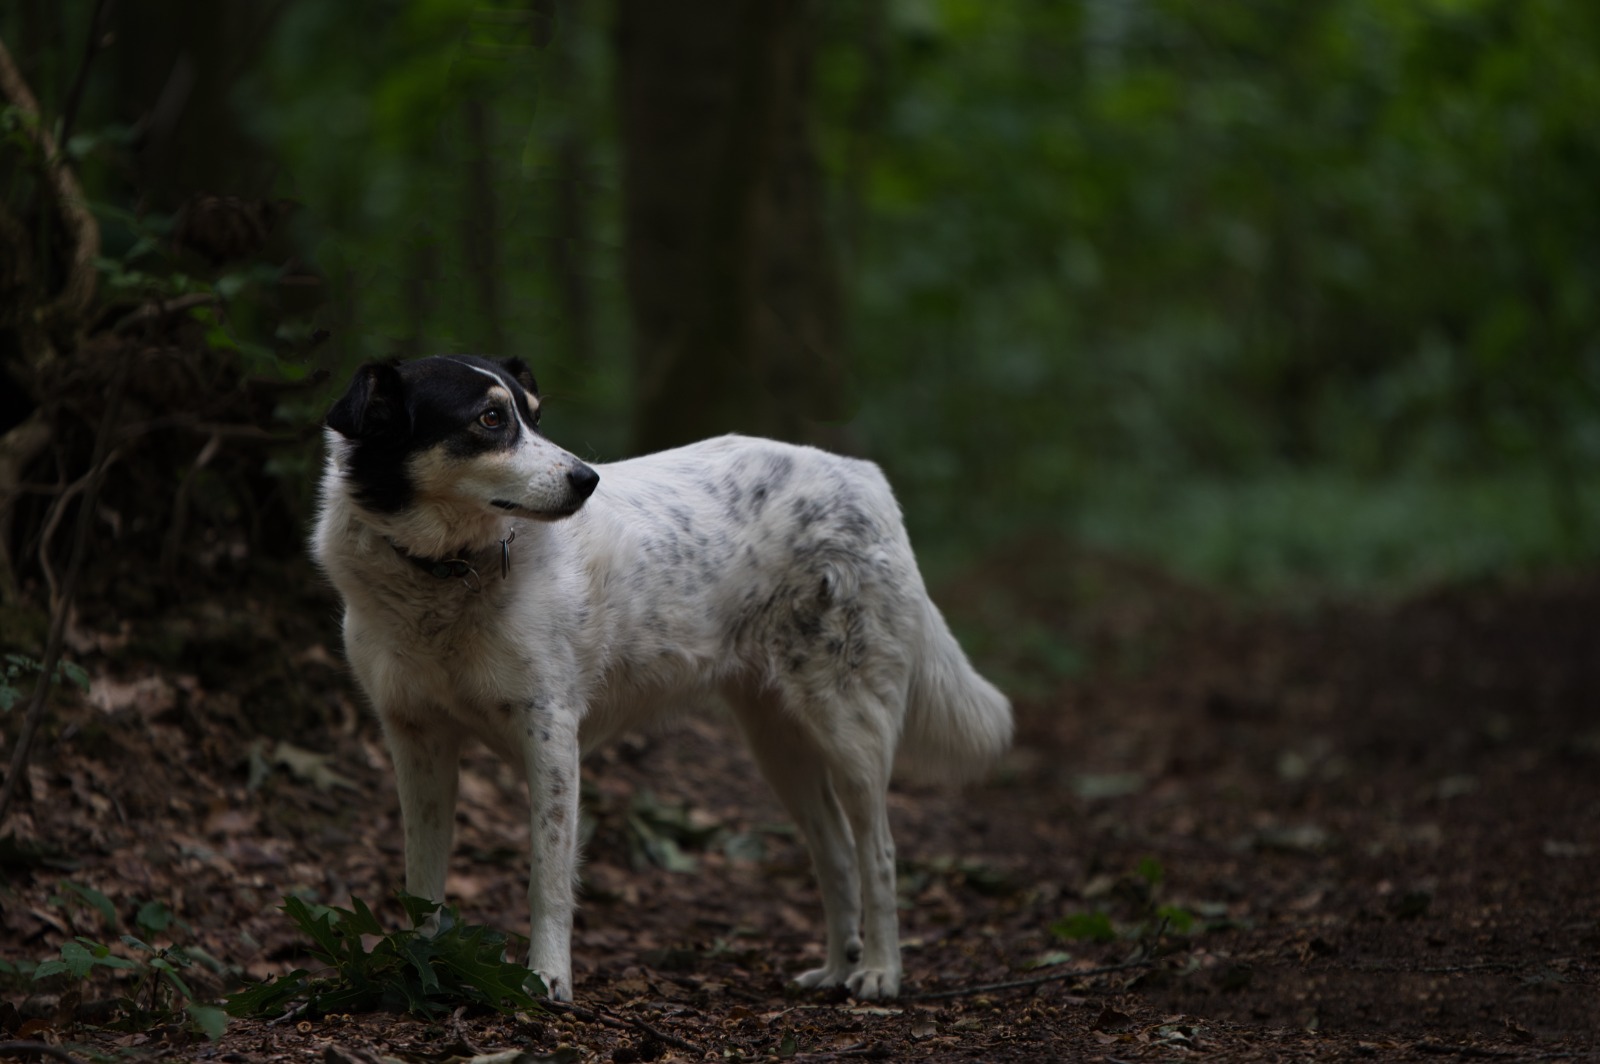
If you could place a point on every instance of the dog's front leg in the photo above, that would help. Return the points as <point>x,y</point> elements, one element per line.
<point>426,771</point>
<point>551,754</point>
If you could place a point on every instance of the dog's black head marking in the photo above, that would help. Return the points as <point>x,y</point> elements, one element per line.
<point>374,404</point>
<point>521,374</point>
<point>392,410</point>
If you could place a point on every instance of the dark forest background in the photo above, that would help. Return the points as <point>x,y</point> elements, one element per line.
<point>1289,295</point>
<point>1237,365</point>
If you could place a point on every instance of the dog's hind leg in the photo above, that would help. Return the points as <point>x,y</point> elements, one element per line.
<point>859,763</point>
<point>798,774</point>
<point>426,770</point>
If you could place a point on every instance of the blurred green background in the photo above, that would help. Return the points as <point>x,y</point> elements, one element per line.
<point>1280,295</point>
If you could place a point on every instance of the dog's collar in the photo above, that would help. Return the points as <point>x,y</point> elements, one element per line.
<point>458,567</point>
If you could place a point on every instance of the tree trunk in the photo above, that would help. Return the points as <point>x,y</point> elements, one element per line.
<point>571,225</point>
<point>481,226</point>
<point>730,274</point>
<point>176,67</point>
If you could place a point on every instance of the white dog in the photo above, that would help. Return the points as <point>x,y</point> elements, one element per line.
<point>497,587</point>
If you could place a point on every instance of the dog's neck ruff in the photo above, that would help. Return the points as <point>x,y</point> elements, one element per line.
<point>458,567</point>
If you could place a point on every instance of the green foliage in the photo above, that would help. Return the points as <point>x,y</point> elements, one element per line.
<point>1281,294</point>
<point>665,834</point>
<point>158,991</point>
<point>424,974</point>
<point>1174,919</point>
<point>1084,927</point>
<point>1122,264</point>
<point>455,109</point>
<point>1145,917</point>
<point>1151,871</point>
<point>238,320</point>
<point>14,667</point>
<point>87,896</point>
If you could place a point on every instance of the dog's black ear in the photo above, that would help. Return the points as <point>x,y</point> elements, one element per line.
<point>522,373</point>
<point>373,406</point>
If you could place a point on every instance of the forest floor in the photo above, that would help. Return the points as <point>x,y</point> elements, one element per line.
<point>1339,832</point>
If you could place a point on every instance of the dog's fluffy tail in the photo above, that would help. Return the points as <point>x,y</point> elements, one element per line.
<point>957,723</point>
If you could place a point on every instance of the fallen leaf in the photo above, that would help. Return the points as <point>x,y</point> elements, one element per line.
<point>1298,838</point>
<point>1559,848</point>
<point>1111,1019</point>
<point>227,821</point>
<point>1050,959</point>
<point>1099,785</point>
<point>149,696</point>
<point>309,766</point>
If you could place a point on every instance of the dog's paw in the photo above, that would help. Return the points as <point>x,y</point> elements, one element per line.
<point>439,921</point>
<point>822,978</point>
<point>874,984</point>
<point>555,988</point>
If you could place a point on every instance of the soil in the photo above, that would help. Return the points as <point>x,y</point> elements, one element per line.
<point>1335,831</point>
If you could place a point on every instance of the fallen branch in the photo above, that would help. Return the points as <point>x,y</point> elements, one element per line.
<point>861,1050</point>
<point>1484,1052</point>
<point>1444,969</point>
<point>43,1049</point>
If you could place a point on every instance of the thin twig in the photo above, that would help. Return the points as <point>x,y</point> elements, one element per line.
<point>1447,1049</point>
<point>62,608</point>
<point>161,308</point>
<point>1446,969</point>
<point>622,1022</point>
<point>293,1014</point>
<point>58,509</point>
<point>861,1050</point>
<point>91,48</point>
<point>1019,984</point>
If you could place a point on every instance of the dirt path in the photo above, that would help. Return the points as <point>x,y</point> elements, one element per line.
<point>1354,833</point>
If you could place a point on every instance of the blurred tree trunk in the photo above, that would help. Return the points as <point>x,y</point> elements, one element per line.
<point>869,35</point>
<point>45,299</point>
<point>731,277</point>
<point>176,67</point>
<point>481,225</point>
<point>571,226</point>
<point>420,283</point>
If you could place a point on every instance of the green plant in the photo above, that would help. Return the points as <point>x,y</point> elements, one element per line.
<point>427,975</point>
<point>1085,927</point>
<point>1151,919</point>
<point>17,666</point>
<point>159,993</point>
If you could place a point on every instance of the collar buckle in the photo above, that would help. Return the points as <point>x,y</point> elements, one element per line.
<point>458,568</point>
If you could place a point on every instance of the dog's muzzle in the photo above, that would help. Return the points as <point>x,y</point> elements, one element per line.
<point>581,483</point>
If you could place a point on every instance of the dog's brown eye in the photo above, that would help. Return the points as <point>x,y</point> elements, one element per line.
<point>489,419</point>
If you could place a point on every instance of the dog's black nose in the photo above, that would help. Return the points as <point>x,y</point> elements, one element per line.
<point>583,481</point>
